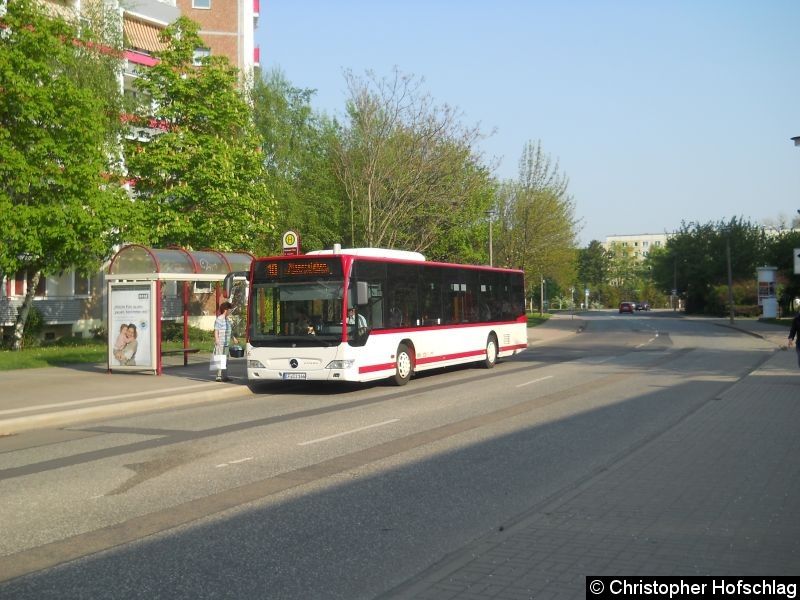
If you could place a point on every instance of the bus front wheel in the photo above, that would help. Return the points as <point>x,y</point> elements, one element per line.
<point>404,365</point>
<point>491,352</point>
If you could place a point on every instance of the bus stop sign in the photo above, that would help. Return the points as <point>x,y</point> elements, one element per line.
<point>291,243</point>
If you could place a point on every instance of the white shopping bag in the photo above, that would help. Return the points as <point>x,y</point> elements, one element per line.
<point>218,362</point>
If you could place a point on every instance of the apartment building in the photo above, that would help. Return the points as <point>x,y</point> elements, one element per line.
<point>638,246</point>
<point>70,303</point>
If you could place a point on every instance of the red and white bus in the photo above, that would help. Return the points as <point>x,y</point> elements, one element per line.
<point>410,315</point>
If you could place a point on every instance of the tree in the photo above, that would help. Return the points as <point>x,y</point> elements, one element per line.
<point>60,195</point>
<point>409,168</point>
<point>537,220</point>
<point>202,181</point>
<point>695,261</point>
<point>299,155</point>
<point>593,264</point>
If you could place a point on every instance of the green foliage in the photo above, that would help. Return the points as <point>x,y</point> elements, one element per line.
<point>593,264</point>
<point>173,332</point>
<point>58,194</point>
<point>202,182</point>
<point>409,168</point>
<point>537,319</point>
<point>61,202</point>
<point>298,150</point>
<point>537,220</point>
<point>52,356</point>
<point>695,261</point>
<point>33,327</point>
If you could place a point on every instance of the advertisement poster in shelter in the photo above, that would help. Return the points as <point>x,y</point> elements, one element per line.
<point>131,326</point>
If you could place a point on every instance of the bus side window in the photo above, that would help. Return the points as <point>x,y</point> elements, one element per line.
<point>431,295</point>
<point>374,275</point>
<point>402,284</point>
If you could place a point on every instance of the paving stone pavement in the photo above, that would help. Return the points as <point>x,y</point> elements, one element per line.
<point>716,494</point>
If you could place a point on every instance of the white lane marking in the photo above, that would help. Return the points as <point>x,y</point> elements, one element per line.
<point>234,462</point>
<point>650,341</point>
<point>336,435</point>
<point>102,399</point>
<point>534,381</point>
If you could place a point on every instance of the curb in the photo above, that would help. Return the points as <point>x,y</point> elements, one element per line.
<point>78,416</point>
<point>767,337</point>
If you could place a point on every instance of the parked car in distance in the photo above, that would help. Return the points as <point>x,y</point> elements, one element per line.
<point>626,307</point>
<point>642,306</point>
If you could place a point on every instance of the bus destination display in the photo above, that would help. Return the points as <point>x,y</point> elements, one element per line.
<point>298,269</point>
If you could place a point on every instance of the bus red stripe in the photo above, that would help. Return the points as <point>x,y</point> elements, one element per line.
<point>434,359</point>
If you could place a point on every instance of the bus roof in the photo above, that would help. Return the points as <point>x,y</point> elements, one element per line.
<point>373,253</point>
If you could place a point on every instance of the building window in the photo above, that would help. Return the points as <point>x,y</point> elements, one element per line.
<point>199,55</point>
<point>83,285</point>
<point>201,4</point>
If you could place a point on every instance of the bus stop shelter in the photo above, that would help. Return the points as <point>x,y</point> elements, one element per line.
<point>134,283</point>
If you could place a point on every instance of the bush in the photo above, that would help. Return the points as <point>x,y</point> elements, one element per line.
<point>173,332</point>
<point>747,310</point>
<point>33,328</point>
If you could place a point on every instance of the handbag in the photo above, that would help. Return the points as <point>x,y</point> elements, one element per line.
<point>219,362</point>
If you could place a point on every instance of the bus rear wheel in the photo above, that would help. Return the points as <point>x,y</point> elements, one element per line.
<point>404,365</point>
<point>491,352</point>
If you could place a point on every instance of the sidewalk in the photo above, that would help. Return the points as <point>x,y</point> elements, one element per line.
<point>61,396</point>
<point>717,494</point>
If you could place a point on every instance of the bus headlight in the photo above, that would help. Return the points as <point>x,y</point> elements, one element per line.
<point>340,364</point>
<point>255,364</point>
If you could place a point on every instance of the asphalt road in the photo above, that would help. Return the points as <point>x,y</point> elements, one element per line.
<point>315,492</point>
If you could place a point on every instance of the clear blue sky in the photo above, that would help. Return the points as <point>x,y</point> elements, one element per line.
<point>657,111</point>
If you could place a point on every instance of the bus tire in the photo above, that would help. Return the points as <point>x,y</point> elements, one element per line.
<point>491,352</point>
<point>404,365</point>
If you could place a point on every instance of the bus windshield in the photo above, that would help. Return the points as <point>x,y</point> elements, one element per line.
<point>306,314</point>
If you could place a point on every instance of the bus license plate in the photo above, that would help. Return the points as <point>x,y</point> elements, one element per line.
<point>294,375</point>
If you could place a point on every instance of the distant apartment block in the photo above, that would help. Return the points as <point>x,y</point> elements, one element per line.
<point>638,246</point>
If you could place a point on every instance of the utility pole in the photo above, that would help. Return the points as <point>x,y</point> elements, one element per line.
<point>730,273</point>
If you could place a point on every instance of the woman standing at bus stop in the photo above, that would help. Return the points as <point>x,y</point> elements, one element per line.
<point>222,336</point>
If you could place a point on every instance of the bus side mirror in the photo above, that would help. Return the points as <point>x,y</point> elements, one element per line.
<point>362,293</point>
<point>227,284</point>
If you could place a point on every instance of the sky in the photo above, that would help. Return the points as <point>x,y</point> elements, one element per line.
<point>657,111</point>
